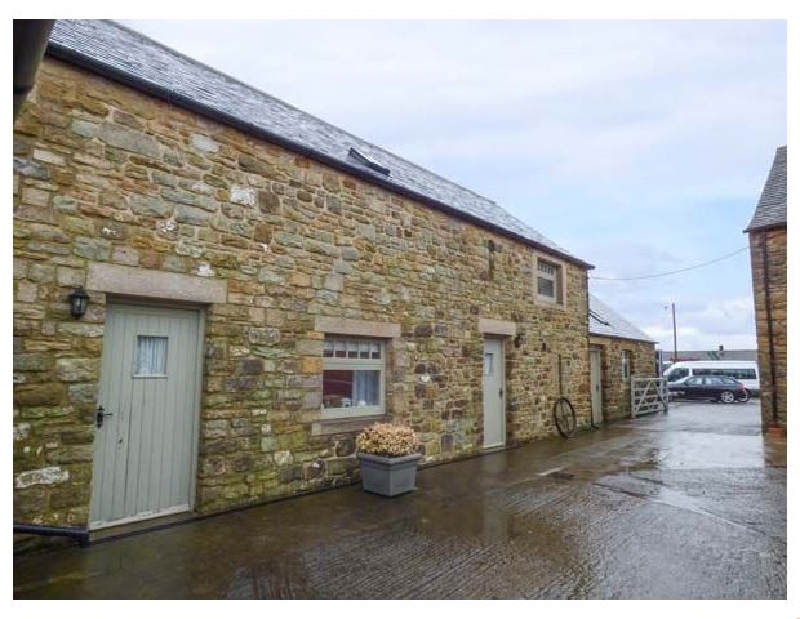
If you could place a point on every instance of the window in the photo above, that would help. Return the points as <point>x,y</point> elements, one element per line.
<point>151,357</point>
<point>737,374</point>
<point>488,364</point>
<point>676,374</point>
<point>627,368</point>
<point>549,286</point>
<point>353,377</point>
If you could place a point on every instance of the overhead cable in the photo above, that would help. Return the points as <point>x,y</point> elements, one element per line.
<point>697,266</point>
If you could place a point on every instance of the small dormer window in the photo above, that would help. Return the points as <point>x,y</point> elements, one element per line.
<point>368,161</point>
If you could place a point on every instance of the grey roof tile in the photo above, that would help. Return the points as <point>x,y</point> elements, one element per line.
<point>771,208</point>
<point>108,46</point>
<point>605,322</point>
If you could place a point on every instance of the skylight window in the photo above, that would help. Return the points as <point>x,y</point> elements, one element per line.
<point>369,162</point>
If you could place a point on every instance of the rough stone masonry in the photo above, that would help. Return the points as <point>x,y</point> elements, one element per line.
<point>775,240</point>
<point>106,175</point>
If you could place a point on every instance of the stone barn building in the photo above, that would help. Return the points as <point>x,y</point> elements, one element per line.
<point>259,285</point>
<point>767,235</point>
<point>617,351</point>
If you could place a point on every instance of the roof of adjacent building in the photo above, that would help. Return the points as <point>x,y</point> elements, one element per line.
<point>126,56</point>
<point>771,208</point>
<point>605,322</point>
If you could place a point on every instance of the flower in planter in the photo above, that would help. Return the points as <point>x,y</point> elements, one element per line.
<point>387,440</point>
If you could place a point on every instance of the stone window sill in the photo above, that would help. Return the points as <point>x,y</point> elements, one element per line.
<point>326,427</point>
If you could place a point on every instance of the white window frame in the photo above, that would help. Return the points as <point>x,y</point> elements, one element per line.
<point>626,365</point>
<point>339,363</point>
<point>559,287</point>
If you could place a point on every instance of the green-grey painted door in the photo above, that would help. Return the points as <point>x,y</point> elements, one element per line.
<point>144,451</point>
<point>494,384</point>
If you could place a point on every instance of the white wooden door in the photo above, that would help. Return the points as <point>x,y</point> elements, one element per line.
<point>494,385</point>
<point>596,385</point>
<point>145,448</point>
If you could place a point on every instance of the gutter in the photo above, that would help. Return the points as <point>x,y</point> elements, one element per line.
<point>770,334</point>
<point>619,337</point>
<point>89,64</point>
<point>80,535</point>
<point>764,227</point>
<point>30,41</point>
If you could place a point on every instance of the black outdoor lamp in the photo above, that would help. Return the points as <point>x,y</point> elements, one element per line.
<point>78,302</point>
<point>519,339</point>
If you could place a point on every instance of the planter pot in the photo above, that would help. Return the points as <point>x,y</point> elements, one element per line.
<point>388,476</point>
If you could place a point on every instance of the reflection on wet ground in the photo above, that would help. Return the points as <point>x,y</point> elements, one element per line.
<point>687,505</point>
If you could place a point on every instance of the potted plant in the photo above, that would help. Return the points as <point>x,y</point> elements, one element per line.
<point>388,458</point>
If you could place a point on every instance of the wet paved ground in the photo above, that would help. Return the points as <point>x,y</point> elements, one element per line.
<point>688,505</point>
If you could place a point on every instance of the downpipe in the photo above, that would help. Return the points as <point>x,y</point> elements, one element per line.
<point>78,534</point>
<point>30,41</point>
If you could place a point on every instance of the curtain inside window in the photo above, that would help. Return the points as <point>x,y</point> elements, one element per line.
<point>152,355</point>
<point>366,387</point>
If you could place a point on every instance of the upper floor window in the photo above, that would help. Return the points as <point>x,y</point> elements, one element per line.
<point>353,377</point>
<point>549,281</point>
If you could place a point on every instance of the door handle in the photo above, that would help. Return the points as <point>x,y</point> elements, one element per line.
<point>501,392</point>
<point>101,414</point>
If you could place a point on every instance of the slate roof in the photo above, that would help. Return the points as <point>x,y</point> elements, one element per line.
<point>605,322</point>
<point>124,55</point>
<point>771,208</point>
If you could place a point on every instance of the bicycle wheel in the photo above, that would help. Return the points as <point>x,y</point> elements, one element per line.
<point>564,416</point>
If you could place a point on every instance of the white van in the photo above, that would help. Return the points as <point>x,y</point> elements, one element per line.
<point>746,372</point>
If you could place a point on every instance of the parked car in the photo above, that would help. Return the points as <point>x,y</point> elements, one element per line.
<point>746,372</point>
<point>715,388</point>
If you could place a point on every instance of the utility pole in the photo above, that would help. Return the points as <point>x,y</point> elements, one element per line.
<point>674,337</point>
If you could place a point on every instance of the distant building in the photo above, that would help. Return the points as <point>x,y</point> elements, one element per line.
<point>710,355</point>
<point>767,232</point>
<point>617,350</point>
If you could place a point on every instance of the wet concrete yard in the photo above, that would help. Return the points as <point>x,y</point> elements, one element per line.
<point>682,506</point>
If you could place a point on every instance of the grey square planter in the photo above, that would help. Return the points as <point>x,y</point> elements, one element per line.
<point>389,476</point>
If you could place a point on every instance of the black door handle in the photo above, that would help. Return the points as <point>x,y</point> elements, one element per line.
<point>501,392</point>
<point>101,413</point>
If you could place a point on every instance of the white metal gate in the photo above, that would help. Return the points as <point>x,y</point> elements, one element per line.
<point>648,395</point>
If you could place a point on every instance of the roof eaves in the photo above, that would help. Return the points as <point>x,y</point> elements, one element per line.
<point>620,337</point>
<point>764,227</point>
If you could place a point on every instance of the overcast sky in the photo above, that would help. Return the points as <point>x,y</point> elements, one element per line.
<point>639,146</point>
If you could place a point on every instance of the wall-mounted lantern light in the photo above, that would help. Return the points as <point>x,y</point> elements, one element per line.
<point>78,302</point>
<point>519,339</point>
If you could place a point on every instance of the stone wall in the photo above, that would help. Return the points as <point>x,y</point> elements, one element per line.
<point>104,175</point>
<point>616,389</point>
<point>776,255</point>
